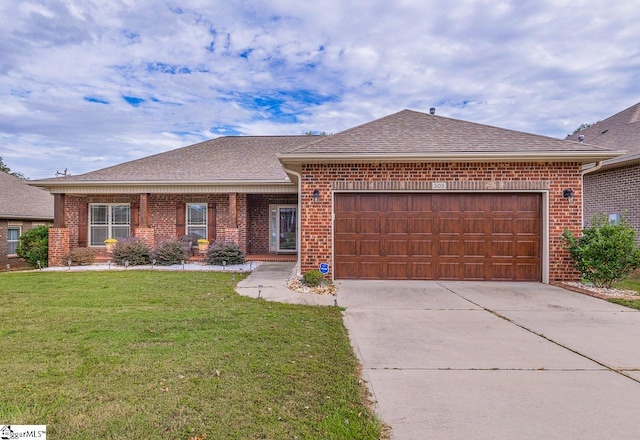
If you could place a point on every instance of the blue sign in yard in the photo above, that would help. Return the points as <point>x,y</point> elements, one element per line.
<point>324,268</point>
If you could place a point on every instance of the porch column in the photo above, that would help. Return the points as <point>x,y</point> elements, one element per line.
<point>233,210</point>
<point>145,213</point>
<point>143,230</point>
<point>59,245</point>
<point>58,210</point>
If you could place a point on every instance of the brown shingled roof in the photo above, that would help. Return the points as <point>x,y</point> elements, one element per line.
<point>19,201</point>
<point>233,158</point>
<point>620,131</point>
<point>419,134</point>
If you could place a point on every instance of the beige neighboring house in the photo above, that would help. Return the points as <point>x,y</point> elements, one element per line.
<point>614,188</point>
<point>21,208</point>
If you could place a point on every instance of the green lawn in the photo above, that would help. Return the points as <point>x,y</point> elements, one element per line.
<point>173,355</point>
<point>631,283</point>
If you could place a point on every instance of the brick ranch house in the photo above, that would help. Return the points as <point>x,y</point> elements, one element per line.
<point>22,207</point>
<point>408,196</point>
<point>613,186</point>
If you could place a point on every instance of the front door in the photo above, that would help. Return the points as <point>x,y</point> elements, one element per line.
<point>283,227</point>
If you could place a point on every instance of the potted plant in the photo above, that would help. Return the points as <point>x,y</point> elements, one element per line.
<point>110,243</point>
<point>203,244</point>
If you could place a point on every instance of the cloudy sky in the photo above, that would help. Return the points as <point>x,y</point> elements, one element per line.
<point>86,84</point>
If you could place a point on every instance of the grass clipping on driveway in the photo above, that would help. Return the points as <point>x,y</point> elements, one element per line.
<point>173,355</point>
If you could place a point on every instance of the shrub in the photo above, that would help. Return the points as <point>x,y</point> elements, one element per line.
<point>81,256</point>
<point>133,249</point>
<point>33,246</point>
<point>169,252</point>
<point>313,277</point>
<point>221,250</point>
<point>605,253</point>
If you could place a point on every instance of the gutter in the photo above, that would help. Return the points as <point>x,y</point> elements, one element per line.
<point>592,169</point>
<point>298,218</point>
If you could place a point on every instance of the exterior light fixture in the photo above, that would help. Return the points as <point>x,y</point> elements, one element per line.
<point>568,194</point>
<point>316,196</point>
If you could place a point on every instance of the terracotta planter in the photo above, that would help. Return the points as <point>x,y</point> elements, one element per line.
<point>202,247</point>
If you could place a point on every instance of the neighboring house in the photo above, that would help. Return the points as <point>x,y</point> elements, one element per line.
<point>614,188</point>
<point>21,208</point>
<point>407,196</point>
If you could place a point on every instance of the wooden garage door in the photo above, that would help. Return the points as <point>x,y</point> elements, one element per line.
<point>481,236</point>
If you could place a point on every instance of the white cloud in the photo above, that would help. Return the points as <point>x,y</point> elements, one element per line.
<point>198,69</point>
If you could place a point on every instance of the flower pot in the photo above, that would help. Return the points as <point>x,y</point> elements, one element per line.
<point>202,247</point>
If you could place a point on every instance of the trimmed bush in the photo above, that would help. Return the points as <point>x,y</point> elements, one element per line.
<point>222,250</point>
<point>606,253</point>
<point>81,256</point>
<point>169,252</point>
<point>133,249</point>
<point>313,277</point>
<point>33,246</point>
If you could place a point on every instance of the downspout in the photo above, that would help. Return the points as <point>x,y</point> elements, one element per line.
<point>591,170</point>
<point>298,217</point>
<point>597,166</point>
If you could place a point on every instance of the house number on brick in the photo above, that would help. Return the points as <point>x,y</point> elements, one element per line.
<point>439,185</point>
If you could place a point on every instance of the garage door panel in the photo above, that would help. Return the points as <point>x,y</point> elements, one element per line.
<point>398,270</point>
<point>473,248</point>
<point>369,248</point>
<point>502,248</point>
<point>397,226</point>
<point>421,248</point>
<point>450,225</point>
<point>421,225</point>
<point>397,248</point>
<point>345,248</point>
<point>471,236</point>
<point>422,270</point>
<point>474,271</point>
<point>369,225</point>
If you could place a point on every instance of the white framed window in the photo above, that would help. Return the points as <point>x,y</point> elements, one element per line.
<point>13,236</point>
<point>283,227</point>
<point>197,219</point>
<point>108,220</point>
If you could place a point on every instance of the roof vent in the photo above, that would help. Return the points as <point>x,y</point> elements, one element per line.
<point>581,138</point>
<point>432,111</point>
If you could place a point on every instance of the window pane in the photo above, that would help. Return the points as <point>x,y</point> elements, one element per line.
<point>119,232</point>
<point>14,234</point>
<point>98,235</point>
<point>120,214</point>
<point>98,214</point>
<point>12,240</point>
<point>202,232</point>
<point>197,214</point>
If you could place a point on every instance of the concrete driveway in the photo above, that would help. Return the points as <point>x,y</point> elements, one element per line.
<point>461,360</point>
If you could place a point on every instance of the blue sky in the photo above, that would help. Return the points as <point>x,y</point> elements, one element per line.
<point>92,83</point>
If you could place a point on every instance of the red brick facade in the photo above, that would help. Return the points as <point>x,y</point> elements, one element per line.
<point>13,261</point>
<point>316,230</point>
<point>251,231</point>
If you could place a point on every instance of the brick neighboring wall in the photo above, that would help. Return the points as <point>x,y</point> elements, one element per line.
<point>14,262</point>
<point>613,192</point>
<point>316,217</point>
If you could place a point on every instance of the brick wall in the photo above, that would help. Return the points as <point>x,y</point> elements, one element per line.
<point>253,221</point>
<point>58,246</point>
<point>258,219</point>
<point>316,217</point>
<point>614,192</point>
<point>14,262</point>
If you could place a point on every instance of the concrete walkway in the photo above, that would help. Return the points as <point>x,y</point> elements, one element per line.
<point>269,281</point>
<point>463,360</point>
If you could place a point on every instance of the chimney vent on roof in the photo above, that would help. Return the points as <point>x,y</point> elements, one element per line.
<point>432,111</point>
<point>581,138</point>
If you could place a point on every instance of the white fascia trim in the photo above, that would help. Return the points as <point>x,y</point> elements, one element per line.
<point>547,156</point>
